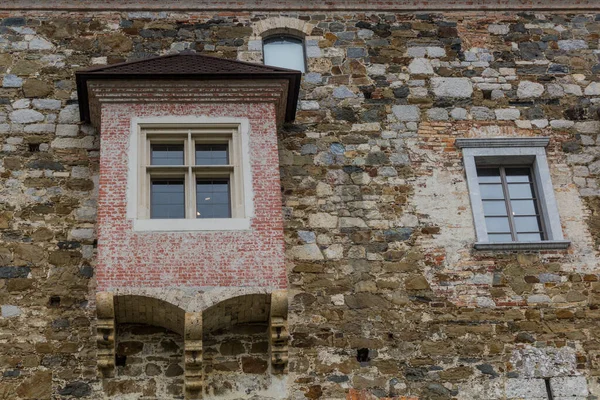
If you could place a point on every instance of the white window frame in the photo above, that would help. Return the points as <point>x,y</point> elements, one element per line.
<point>524,151</point>
<point>234,130</point>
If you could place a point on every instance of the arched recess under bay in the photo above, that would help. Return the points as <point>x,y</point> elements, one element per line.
<point>149,349</point>
<point>236,350</point>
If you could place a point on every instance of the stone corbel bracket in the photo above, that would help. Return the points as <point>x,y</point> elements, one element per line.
<point>278,332</point>
<point>193,356</point>
<point>105,333</point>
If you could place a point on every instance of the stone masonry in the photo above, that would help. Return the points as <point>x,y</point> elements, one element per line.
<point>388,297</point>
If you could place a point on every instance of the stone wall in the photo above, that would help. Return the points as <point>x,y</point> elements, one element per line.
<point>390,300</point>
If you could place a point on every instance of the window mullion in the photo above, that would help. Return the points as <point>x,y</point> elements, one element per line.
<point>189,186</point>
<point>511,221</point>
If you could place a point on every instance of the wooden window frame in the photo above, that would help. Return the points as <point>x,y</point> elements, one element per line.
<point>190,136</point>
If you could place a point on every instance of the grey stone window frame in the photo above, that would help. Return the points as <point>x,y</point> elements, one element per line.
<point>514,151</point>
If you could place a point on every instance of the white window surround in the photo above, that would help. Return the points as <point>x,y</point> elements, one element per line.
<point>530,151</point>
<point>179,225</point>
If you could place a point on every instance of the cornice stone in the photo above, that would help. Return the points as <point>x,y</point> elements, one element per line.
<point>463,143</point>
<point>294,5</point>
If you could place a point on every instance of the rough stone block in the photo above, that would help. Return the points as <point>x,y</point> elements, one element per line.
<point>569,386</point>
<point>407,113</point>
<point>525,389</point>
<point>452,87</point>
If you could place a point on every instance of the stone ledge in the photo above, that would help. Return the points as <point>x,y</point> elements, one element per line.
<point>463,143</point>
<point>545,245</point>
<point>292,5</point>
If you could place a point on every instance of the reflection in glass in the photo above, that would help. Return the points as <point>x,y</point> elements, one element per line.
<point>166,154</point>
<point>284,52</point>
<point>167,198</point>
<point>212,198</point>
<point>212,154</point>
<point>497,224</point>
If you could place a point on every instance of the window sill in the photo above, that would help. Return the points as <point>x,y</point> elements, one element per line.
<point>189,225</point>
<point>544,245</point>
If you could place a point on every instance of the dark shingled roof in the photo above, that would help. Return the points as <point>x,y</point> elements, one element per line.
<point>188,65</point>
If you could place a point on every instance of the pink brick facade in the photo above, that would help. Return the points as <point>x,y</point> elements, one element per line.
<point>189,259</point>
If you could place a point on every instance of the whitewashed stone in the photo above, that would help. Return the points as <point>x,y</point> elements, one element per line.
<point>507,114</point>
<point>46,104</point>
<point>572,45</point>
<point>572,89</point>
<point>593,89</point>
<point>67,130</point>
<point>436,52</point>
<point>82,234</point>
<point>407,113</point>
<point>538,298</point>
<point>458,113</point>
<point>569,386</point>
<point>420,66</point>
<point>343,92</point>
<point>588,126</point>
<point>452,87</point>
<point>39,43</point>
<point>26,116</point>
<point>498,29</point>
<point>40,128</point>
<point>555,90</point>
<point>485,302</point>
<point>490,73</point>
<point>416,51</point>
<point>539,123</point>
<point>351,222</point>
<point>334,252</point>
<point>322,220</point>
<point>9,311</point>
<point>528,90</point>
<point>525,389</point>
<point>69,114</point>
<point>482,113</point>
<point>12,81</point>
<point>306,252</point>
<point>21,103</point>
<point>437,114</point>
<point>309,105</point>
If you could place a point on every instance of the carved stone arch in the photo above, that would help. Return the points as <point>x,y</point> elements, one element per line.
<point>135,309</point>
<point>276,26</point>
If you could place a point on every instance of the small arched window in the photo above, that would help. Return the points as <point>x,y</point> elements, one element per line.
<point>284,52</point>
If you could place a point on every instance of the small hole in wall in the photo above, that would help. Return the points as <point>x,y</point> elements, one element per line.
<point>34,147</point>
<point>120,360</point>
<point>54,301</point>
<point>362,355</point>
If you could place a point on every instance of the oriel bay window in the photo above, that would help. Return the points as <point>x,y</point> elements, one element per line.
<point>190,173</point>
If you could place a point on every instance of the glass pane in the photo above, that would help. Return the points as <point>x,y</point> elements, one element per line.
<point>499,237</point>
<point>520,191</point>
<point>166,154</point>
<point>488,175</point>
<point>497,224</point>
<point>527,224</point>
<point>167,198</point>
<point>529,237</point>
<point>523,207</point>
<point>212,154</point>
<point>518,175</point>
<point>491,191</point>
<point>212,198</point>
<point>494,207</point>
<point>285,53</point>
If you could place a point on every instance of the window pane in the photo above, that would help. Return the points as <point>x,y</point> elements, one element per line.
<point>167,198</point>
<point>212,154</point>
<point>523,207</point>
<point>527,224</point>
<point>212,198</point>
<point>491,191</point>
<point>494,207</point>
<point>166,154</point>
<point>488,175</point>
<point>285,53</point>
<point>520,191</point>
<point>497,224</point>
<point>499,237</point>
<point>529,237</point>
<point>518,175</point>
